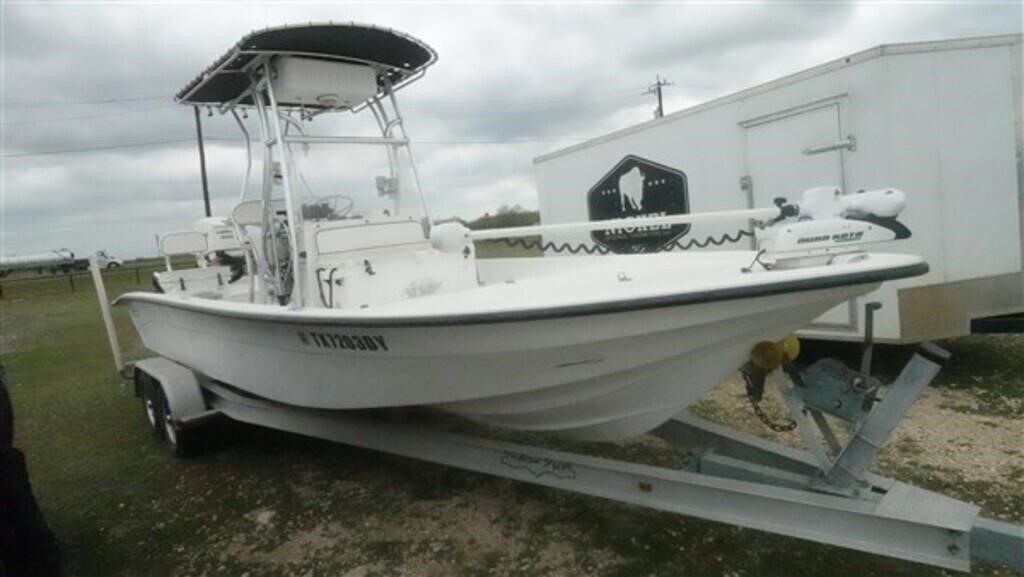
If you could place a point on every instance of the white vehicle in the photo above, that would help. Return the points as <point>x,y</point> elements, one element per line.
<point>107,260</point>
<point>60,259</point>
<point>939,120</point>
<point>360,302</point>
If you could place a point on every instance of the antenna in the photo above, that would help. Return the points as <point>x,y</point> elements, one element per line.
<point>655,88</point>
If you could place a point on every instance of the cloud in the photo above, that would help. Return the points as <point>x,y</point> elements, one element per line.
<point>542,76</point>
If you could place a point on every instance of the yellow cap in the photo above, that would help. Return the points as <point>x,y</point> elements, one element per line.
<point>791,346</point>
<point>767,355</point>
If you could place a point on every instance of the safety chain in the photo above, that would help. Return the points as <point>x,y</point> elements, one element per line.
<point>777,426</point>
<point>550,246</point>
<point>754,379</point>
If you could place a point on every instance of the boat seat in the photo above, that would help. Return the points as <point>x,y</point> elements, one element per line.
<point>360,263</point>
<point>250,212</point>
<point>193,281</point>
<point>220,234</point>
<point>183,242</point>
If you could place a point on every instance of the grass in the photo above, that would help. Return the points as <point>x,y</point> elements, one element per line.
<point>501,249</point>
<point>136,273</point>
<point>265,503</point>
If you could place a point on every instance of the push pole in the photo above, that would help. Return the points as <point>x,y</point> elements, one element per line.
<point>202,161</point>
<point>690,218</point>
<point>108,319</point>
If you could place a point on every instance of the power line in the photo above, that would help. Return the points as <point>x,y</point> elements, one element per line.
<point>225,139</point>
<point>589,95</point>
<point>436,104</point>
<point>96,148</point>
<point>87,117</point>
<point>506,110</point>
<point>453,113</point>
<point>85,102</point>
<point>450,110</point>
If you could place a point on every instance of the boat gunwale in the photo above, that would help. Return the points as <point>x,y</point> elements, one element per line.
<point>544,313</point>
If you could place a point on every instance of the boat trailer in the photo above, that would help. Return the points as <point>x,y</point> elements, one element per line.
<point>824,494</point>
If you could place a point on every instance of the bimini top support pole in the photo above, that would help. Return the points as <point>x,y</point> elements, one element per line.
<point>268,248</point>
<point>291,201</point>
<point>408,150</point>
<point>248,154</point>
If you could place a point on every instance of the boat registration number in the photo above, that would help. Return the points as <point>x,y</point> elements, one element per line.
<point>350,342</point>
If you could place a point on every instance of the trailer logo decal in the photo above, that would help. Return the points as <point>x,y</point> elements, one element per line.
<point>538,466</point>
<point>318,340</point>
<point>638,188</point>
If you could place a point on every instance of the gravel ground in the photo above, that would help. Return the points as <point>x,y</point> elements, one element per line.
<point>945,438</point>
<point>405,518</point>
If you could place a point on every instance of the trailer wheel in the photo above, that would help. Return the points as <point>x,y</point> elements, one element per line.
<point>161,418</point>
<point>112,265</point>
<point>148,390</point>
<point>178,440</point>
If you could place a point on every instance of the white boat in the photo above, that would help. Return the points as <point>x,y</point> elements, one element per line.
<point>359,301</point>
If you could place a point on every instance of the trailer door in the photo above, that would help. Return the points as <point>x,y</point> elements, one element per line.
<point>790,151</point>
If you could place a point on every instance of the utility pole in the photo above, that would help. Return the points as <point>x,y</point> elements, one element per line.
<point>655,88</point>
<point>202,162</point>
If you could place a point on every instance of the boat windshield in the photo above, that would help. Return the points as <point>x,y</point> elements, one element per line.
<point>355,181</point>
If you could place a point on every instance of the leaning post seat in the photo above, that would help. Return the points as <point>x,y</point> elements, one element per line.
<point>206,281</point>
<point>357,263</point>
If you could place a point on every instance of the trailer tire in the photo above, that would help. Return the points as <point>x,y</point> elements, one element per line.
<point>177,439</point>
<point>112,265</point>
<point>160,417</point>
<point>149,392</point>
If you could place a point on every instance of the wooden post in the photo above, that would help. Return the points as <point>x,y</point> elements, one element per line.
<point>137,279</point>
<point>71,280</point>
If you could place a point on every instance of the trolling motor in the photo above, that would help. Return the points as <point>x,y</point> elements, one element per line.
<point>827,224</point>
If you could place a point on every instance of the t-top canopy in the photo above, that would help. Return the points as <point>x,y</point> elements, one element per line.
<point>395,55</point>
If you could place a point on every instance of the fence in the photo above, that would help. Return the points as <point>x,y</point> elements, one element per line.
<point>139,274</point>
<point>133,276</point>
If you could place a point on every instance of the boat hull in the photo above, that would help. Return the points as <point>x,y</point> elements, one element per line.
<point>595,376</point>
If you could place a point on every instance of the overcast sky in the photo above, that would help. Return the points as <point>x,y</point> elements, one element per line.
<point>87,90</point>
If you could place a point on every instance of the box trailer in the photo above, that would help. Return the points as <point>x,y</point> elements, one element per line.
<point>941,121</point>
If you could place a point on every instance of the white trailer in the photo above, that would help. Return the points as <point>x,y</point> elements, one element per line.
<point>939,120</point>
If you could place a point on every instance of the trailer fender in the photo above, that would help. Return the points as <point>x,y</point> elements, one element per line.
<point>181,387</point>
